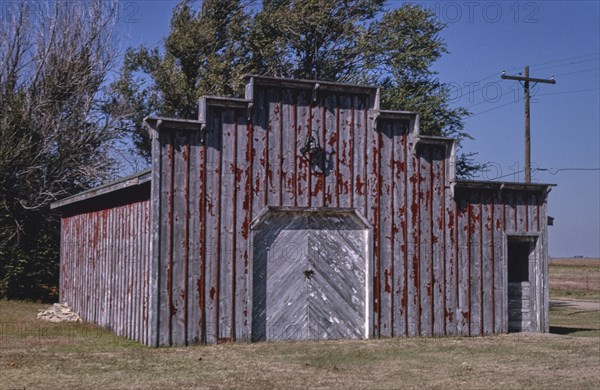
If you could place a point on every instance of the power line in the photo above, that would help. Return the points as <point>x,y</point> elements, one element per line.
<point>568,58</point>
<point>542,63</point>
<point>567,64</point>
<point>507,92</point>
<point>580,71</point>
<point>492,109</point>
<point>552,171</point>
<point>565,92</point>
<point>537,95</point>
<point>503,92</point>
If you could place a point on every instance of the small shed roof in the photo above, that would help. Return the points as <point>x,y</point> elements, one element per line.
<point>135,179</point>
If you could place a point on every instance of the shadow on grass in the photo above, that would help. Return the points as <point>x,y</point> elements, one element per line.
<point>563,330</point>
<point>555,304</point>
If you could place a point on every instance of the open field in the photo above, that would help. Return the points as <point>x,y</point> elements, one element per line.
<point>36,354</point>
<point>575,278</point>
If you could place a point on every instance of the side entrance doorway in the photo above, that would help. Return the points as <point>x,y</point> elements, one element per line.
<point>521,283</point>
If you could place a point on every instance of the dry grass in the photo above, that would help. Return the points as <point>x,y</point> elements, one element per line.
<point>42,355</point>
<point>575,278</point>
<point>36,354</point>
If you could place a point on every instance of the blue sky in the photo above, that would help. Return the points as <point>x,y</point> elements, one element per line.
<point>555,38</point>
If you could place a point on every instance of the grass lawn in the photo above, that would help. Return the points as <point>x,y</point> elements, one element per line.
<point>35,354</point>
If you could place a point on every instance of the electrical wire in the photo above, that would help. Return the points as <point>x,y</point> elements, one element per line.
<point>554,171</point>
<point>580,71</point>
<point>503,92</point>
<point>491,109</point>
<point>565,92</point>
<point>568,58</point>
<point>551,171</point>
<point>561,65</point>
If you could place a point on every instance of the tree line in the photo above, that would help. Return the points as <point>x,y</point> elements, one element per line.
<point>63,116</point>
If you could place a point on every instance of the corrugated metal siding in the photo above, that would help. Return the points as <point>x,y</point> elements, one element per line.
<point>438,259</point>
<point>484,219</point>
<point>104,267</point>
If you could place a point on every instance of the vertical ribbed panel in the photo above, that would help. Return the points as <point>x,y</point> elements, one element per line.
<point>104,267</point>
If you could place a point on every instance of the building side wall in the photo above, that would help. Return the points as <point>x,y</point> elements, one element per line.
<point>104,267</point>
<point>477,260</point>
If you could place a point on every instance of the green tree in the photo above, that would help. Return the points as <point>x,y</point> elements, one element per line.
<point>54,135</point>
<point>204,54</point>
<point>208,51</point>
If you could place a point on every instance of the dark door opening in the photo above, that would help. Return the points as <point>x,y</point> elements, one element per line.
<point>520,294</point>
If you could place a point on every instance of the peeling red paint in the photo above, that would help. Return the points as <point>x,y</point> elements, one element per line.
<point>360,185</point>
<point>388,287</point>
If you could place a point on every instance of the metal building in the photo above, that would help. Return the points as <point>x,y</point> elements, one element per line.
<point>304,211</point>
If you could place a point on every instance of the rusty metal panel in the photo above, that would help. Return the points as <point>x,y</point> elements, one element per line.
<point>226,316</point>
<point>475,249</point>
<point>487,264</point>
<point>413,307</point>
<point>289,154</point>
<point>259,158</point>
<point>178,263</point>
<point>425,198</point>
<point>386,264</point>
<point>399,243</point>
<point>213,227</point>
<point>318,170</point>
<point>372,189</point>
<point>451,265</point>
<point>345,124</point>
<point>497,237</point>
<point>303,133</point>
<point>193,239</point>
<point>331,147</point>
<point>464,276</point>
<point>274,148</point>
<point>360,130</point>
<point>438,255</point>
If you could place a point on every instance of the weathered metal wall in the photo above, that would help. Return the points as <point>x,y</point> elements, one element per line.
<point>104,267</point>
<point>484,219</point>
<point>438,258</point>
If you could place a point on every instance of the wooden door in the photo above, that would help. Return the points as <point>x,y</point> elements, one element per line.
<point>309,277</point>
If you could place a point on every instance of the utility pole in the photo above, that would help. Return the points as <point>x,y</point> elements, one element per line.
<point>524,81</point>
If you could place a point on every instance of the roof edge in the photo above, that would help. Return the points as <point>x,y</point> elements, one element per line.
<point>309,84</point>
<point>129,181</point>
<point>500,185</point>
